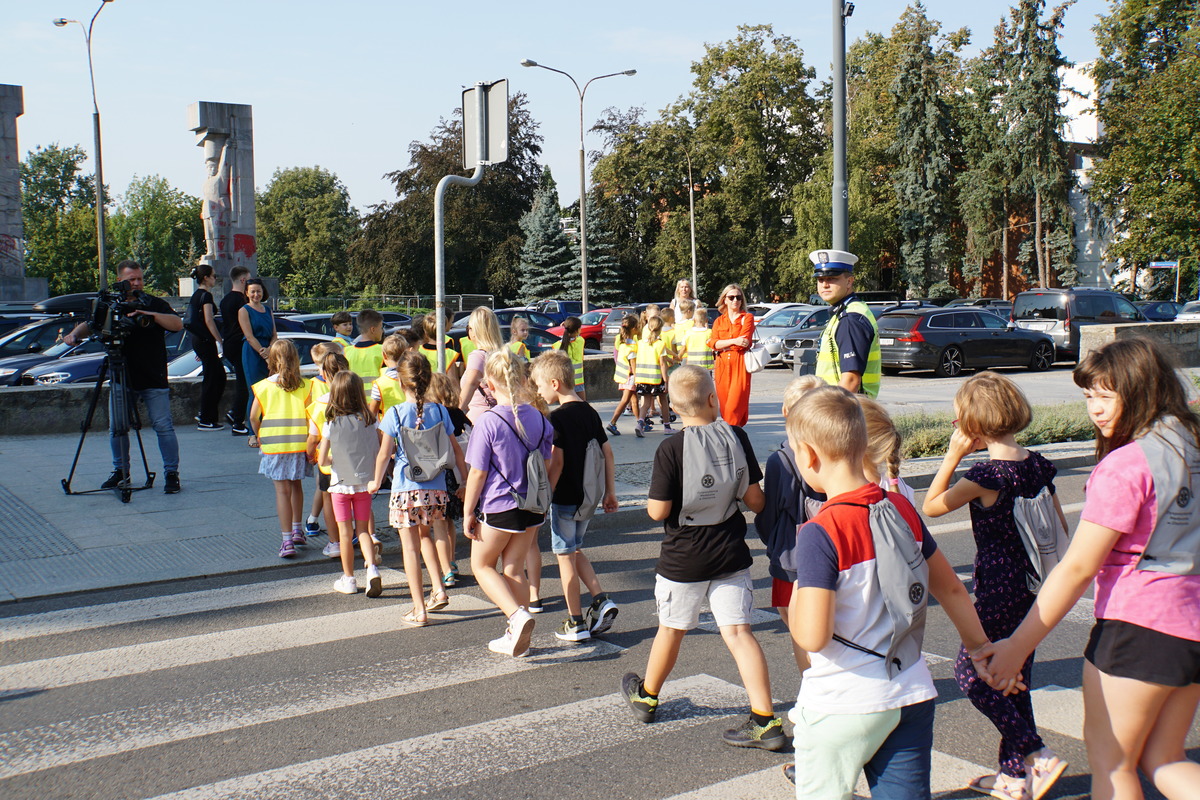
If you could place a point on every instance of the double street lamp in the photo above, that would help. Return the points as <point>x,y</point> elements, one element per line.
<point>62,22</point>
<point>528,62</point>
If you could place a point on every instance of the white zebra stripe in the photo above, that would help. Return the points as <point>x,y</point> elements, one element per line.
<point>72,741</point>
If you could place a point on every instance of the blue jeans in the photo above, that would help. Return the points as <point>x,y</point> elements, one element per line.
<point>900,769</point>
<point>158,411</point>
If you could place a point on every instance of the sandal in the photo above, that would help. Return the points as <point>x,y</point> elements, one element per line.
<point>1000,786</point>
<point>437,602</point>
<point>252,441</point>
<point>413,621</point>
<point>1044,772</point>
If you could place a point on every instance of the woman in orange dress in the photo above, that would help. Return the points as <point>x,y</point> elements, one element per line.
<point>732,333</point>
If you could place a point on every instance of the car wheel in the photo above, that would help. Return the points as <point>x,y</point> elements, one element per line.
<point>1043,357</point>
<point>950,363</point>
<point>592,344</point>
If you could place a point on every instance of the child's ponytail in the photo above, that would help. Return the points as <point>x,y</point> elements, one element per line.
<point>284,361</point>
<point>415,376</point>
<point>884,443</point>
<point>504,367</point>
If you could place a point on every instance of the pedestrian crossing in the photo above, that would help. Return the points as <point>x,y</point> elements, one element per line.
<point>435,714</point>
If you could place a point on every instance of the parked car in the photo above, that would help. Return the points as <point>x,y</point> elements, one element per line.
<point>559,310</point>
<point>84,367</point>
<point>187,365</point>
<point>505,317</point>
<point>14,367</point>
<point>777,326</point>
<point>592,329</point>
<point>762,310</point>
<point>37,336</point>
<point>14,320</point>
<point>949,340</point>
<point>1189,313</point>
<point>1159,310</point>
<point>1061,312</point>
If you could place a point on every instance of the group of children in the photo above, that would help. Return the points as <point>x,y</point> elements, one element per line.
<point>851,561</point>
<point>647,352</point>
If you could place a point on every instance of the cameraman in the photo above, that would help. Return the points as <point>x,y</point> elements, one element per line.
<point>145,350</point>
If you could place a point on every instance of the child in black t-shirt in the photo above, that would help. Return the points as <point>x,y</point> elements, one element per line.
<point>575,425</point>
<point>709,561</point>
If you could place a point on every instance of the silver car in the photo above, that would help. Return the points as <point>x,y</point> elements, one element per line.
<point>776,326</point>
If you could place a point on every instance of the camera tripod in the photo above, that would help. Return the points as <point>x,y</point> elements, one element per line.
<point>124,416</point>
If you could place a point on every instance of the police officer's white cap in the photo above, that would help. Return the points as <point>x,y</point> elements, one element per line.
<point>831,262</point>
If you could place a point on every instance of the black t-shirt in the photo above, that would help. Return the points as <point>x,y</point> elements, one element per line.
<point>692,553</point>
<point>231,330</point>
<point>575,424</point>
<point>195,312</point>
<point>459,418</point>
<point>146,350</point>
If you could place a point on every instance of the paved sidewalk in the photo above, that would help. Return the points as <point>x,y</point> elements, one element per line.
<point>224,519</point>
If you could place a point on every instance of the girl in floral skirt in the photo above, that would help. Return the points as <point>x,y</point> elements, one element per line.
<point>416,505</point>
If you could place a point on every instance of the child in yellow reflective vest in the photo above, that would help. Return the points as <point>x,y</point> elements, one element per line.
<point>625,354</point>
<point>280,433</point>
<point>571,343</point>
<point>696,351</point>
<point>651,375</point>
<point>386,392</point>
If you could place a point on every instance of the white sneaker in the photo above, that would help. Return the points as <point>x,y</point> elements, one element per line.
<point>375,539</point>
<point>520,625</point>
<point>346,585</point>
<point>332,550</point>
<point>503,645</point>
<point>374,582</point>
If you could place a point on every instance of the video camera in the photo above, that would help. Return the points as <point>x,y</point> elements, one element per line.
<point>111,310</point>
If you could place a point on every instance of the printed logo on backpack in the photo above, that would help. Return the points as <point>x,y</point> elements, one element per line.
<point>427,450</point>
<point>715,476</point>
<point>1174,461</point>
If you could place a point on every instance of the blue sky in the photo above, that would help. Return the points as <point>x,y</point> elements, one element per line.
<point>347,85</point>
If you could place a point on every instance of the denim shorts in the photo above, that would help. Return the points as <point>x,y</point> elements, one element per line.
<point>566,535</point>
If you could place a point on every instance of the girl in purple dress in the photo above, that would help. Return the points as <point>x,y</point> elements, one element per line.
<point>991,411</point>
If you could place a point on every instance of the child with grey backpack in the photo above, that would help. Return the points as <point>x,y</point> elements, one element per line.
<point>991,410</point>
<point>421,435</point>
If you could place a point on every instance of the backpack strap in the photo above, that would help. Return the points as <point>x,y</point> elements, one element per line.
<point>841,639</point>
<point>528,449</point>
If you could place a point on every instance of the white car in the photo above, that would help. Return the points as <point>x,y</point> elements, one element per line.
<point>760,310</point>
<point>1189,313</point>
<point>188,365</point>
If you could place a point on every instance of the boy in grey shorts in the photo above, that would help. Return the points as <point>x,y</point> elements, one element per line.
<point>700,561</point>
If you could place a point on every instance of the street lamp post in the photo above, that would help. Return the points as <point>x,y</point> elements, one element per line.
<point>692,218</point>
<point>528,62</point>
<point>840,240</point>
<point>62,22</point>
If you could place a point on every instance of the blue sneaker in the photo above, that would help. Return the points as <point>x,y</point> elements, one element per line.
<point>613,430</point>
<point>312,528</point>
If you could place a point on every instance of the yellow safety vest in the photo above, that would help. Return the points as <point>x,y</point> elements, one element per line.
<point>430,353</point>
<point>829,360</point>
<point>682,329</point>
<point>625,351</point>
<point>575,352</point>
<point>467,346</point>
<point>520,349</point>
<point>696,350</point>
<point>669,341</point>
<point>284,427</point>
<point>366,361</point>
<point>390,393</point>
<point>649,367</point>
<point>316,415</point>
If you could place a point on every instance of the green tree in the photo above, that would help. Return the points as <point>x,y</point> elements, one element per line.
<point>305,226</point>
<point>1148,178</point>
<point>58,208</point>
<point>483,236</point>
<point>547,263</point>
<point>928,150</point>
<point>606,285</point>
<point>159,227</point>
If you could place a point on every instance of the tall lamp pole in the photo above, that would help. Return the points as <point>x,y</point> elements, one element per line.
<point>841,224</point>
<point>528,62</point>
<point>692,218</point>
<point>62,22</point>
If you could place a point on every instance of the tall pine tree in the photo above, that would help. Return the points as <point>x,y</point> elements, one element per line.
<point>605,284</point>
<point>927,148</point>
<point>547,262</point>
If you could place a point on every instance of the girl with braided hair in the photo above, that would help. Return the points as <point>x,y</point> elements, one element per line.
<point>415,505</point>
<point>499,529</point>
<point>884,446</point>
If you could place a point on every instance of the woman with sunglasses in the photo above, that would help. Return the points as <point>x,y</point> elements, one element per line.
<point>732,334</point>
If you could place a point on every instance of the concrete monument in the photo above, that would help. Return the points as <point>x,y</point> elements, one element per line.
<point>226,132</point>
<point>13,285</point>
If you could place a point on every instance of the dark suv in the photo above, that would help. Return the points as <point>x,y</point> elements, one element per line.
<point>949,340</point>
<point>1061,312</point>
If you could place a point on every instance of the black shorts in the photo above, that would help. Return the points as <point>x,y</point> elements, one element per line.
<point>1121,649</point>
<point>514,521</point>
<point>651,390</point>
<point>323,481</point>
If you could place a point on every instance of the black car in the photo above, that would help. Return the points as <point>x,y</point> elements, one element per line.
<point>949,340</point>
<point>538,341</point>
<point>1159,310</point>
<point>38,336</point>
<point>83,367</point>
<point>13,368</point>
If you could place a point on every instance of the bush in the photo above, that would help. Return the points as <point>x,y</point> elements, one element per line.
<point>928,434</point>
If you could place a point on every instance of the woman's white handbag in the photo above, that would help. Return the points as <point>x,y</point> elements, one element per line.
<point>755,358</point>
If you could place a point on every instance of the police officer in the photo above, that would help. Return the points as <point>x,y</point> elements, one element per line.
<point>848,355</point>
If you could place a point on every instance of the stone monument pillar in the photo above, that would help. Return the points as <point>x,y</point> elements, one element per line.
<point>226,132</point>
<point>12,228</point>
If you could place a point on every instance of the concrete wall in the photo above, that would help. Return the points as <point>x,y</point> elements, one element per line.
<point>1181,338</point>
<point>61,409</point>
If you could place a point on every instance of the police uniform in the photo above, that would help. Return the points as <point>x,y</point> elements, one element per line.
<point>850,341</point>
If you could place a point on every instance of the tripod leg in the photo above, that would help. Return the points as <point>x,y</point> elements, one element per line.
<point>86,424</point>
<point>132,420</point>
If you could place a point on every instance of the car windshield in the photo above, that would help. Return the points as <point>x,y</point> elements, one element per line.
<point>58,349</point>
<point>897,323</point>
<point>1040,306</point>
<point>785,318</point>
<point>1191,308</point>
<point>593,317</point>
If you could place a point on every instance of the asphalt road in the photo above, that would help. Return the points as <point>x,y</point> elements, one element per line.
<point>272,686</point>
